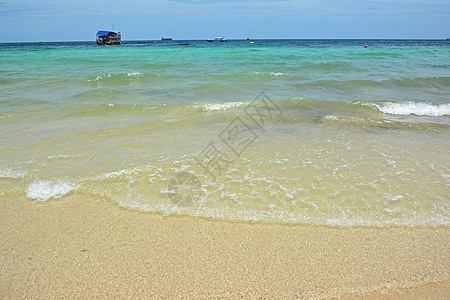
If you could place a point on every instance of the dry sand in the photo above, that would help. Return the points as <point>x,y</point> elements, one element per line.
<point>85,247</point>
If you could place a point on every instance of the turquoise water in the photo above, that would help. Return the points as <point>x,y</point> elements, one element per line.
<point>289,131</point>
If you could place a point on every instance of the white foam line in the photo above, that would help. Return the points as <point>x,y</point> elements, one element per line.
<point>44,190</point>
<point>222,106</point>
<point>414,108</point>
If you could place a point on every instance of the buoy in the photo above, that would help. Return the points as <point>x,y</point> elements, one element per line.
<point>321,42</point>
<point>365,46</point>
<point>155,42</point>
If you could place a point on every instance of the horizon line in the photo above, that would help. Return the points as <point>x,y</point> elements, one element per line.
<point>236,39</point>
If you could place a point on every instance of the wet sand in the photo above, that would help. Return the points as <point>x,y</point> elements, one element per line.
<point>85,247</point>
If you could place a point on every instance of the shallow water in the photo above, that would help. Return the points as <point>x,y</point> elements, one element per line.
<point>287,131</point>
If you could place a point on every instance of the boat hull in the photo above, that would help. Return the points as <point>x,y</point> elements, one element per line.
<point>108,42</point>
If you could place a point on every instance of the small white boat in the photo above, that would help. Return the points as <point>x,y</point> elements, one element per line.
<point>217,39</point>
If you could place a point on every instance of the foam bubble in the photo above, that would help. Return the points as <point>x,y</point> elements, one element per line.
<point>222,106</point>
<point>415,108</point>
<point>265,74</point>
<point>6,172</point>
<point>44,190</point>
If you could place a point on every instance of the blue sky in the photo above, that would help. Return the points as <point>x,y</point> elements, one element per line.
<point>49,20</point>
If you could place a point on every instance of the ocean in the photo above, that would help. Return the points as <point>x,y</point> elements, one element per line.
<point>313,132</point>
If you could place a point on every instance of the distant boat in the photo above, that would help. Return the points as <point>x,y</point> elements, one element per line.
<point>217,39</point>
<point>166,39</point>
<point>108,37</point>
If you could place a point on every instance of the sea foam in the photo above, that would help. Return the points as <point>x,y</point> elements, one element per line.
<point>7,172</point>
<point>414,108</point>
<point>222,106</point>
<point>44,190</point>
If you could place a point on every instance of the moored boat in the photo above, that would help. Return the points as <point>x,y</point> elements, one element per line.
<point>108,37</point>
<point>217,39</point>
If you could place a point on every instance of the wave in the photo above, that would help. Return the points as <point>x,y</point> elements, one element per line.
<point>126,78</point>
<point>211,107</point>
<point>300,172</point>
<point>294,108</point>
<point>44,190</point>
<point>256,196</point>
<point>373,108</point>
<point>301,76</point>
<point>9,172</point>
<point>320,107</point>
<point>419,82</point>
<point>328,66</point>
<point>437,82</point>
<point>354,122</point>
<point>261,74</point>
<point>413,108</point>
<point>99,93</point>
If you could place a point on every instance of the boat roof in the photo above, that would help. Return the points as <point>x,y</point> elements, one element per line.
<point>104,32</point>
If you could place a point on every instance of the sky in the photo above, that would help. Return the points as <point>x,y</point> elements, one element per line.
<point>79,20</point>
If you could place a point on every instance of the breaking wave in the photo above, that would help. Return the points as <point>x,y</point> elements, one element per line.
<point>44,190</point>
<point>414,108</point>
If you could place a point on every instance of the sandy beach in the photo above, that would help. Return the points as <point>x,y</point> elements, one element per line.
<point>85,247</point>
